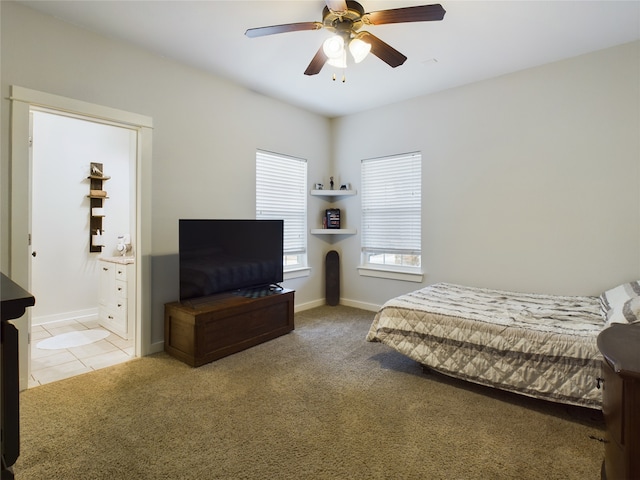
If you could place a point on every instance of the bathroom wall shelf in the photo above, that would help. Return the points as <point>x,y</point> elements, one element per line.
<point>96,198</point>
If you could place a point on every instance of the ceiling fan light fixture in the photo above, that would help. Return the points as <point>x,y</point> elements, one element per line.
<point>333,47</point>
<point>359,49</point>
<point>339,61</point>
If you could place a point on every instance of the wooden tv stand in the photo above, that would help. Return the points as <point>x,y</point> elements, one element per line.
<point>203,330</point>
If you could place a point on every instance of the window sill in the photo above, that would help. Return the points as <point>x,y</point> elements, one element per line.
<point>392,274</point>
<point>298,272</point>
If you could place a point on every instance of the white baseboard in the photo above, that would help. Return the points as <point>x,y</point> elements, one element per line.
<point>156,347</point>
<point>79,315</point>
<point>309,305</point>
<point>361,305</point>
<point>346,302</point>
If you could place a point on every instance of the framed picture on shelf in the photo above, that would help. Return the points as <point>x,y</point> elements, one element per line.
<point>332,218</point>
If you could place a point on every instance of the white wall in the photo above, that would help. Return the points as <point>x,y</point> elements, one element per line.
<point>206,132</point>
<point>530,180</point>
<point>65,273</point>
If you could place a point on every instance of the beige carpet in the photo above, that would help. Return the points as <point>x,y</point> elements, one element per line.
<point>318,403</point>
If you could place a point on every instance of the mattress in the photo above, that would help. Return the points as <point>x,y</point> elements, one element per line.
<point>537,345</point>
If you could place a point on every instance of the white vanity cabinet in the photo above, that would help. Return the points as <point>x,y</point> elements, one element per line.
<point>116,296</point>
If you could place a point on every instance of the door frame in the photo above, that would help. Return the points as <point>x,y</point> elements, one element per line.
<point>22,101</point>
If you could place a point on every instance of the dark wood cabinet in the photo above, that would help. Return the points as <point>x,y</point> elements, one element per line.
<point>201,331</point>
<point>620,347</point>
<point>14,302</point>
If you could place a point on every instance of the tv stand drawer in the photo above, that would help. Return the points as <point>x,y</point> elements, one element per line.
<point>205,330</point>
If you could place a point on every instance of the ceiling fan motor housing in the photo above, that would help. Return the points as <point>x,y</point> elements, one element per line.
<point>344,23</point>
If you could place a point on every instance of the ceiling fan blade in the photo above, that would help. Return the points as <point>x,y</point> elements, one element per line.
<point>317,62</point>
<point>424,13</point>
<point>289,27</point>
<point>382,50</point>
<point>337,5</point>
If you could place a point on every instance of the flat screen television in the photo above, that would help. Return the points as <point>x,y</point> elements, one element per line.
<point>225,255</point>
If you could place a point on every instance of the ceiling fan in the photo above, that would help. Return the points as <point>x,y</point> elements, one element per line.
<point>346,18</point>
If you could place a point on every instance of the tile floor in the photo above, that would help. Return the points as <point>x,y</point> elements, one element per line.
<point>51,365</point>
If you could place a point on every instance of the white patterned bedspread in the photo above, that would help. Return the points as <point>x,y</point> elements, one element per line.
<point>538,345</point>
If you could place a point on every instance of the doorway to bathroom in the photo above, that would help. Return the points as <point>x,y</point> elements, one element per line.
<point>73,329</point>
<point>55,240</point>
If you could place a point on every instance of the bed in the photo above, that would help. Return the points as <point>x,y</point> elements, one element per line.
<point>537,345</point>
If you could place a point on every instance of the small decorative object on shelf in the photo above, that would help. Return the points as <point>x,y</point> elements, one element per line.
<point>96,239</point>
<point>319,186</point>
<point>345,186</point>
<point>96,171</point>
<point>332,216</point>
<point>331,182</point>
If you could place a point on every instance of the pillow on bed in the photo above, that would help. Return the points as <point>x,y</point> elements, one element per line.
<point>615,298</point>
<point>629,312</point>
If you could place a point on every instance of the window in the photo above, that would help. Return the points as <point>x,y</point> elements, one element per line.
<point>391,215</point>
<point>281,194</point>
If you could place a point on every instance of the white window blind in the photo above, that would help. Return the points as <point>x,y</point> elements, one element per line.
<point>391,206</point>
<point>281,194</point>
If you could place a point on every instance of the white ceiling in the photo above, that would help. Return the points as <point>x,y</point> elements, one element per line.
<point>476,40</point>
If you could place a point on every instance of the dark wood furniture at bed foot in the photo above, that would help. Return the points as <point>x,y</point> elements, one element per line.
<point>620,346</point>
<point>203,330</point>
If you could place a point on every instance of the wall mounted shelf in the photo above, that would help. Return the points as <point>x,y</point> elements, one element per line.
<point>334,231</point>
<point>96,197</point>
<point>332,193</point>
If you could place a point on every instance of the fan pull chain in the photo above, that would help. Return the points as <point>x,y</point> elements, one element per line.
<point>344,78</point>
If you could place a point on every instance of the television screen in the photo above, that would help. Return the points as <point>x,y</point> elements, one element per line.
<point>225,255</point>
